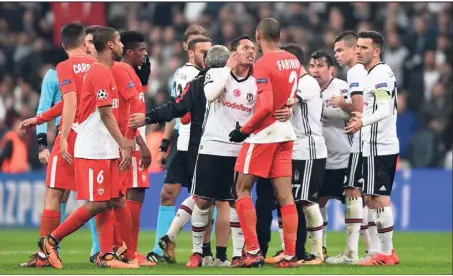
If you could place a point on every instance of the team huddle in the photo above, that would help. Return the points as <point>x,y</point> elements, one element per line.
<point>303,136</point>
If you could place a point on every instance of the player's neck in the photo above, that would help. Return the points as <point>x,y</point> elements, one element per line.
<point>268,47</point>
<point>352,63</point>
<point>325,84</point>
<point>125,60</point>
<point>76,52</point>
<point>302,71</point>
<point>241,71</point>
<point>373,63</point>
<point>105,59</point>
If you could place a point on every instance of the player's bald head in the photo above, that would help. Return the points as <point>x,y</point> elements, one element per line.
<point>102,36</point>
<point>269,29</point>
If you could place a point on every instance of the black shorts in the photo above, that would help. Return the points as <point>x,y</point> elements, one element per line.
<point>332,184</point>
<point>379,173</point>
<point>354,176</point>
<point>214,177</point>
<point>177,170</point>
<point>308,179</point>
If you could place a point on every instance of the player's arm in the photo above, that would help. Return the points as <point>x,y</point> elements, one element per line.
<point>48,87</point>
<point>215,81</point>
<point>265,102</point>
<point>127,91</point>
<point>382,110</point>
<point>336,112</point>
<point>50,114</point>
<point>69,94</point>
<point>355,81</point>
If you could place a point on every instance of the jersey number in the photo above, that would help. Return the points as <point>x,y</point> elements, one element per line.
<point>178,89</point>
<point>292,80</point>
<point>297,192</point>
<point>99,177</point>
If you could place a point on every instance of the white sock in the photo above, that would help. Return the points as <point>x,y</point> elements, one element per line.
<point>375,243</point>
<point>384,223</point>
<point>236,233</point>
<point>315,229</point>
<point>280,231</point>
<point>200,220</point>
<point>364,229</point>
<point>182,218</point>
<point>325,219</point>
<point>353,221</point>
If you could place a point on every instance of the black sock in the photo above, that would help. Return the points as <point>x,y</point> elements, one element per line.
<point>207,249</point>
<point>220,253</point>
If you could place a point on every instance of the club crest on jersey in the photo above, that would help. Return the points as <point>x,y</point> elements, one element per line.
<point>380,85</point>
<point>296,175</point>
<point>249,97</point>
<point>130,85</point>
<point>102,94</point>
<point>354,84</point>
<point>237,92</point>
<point>100,191</point>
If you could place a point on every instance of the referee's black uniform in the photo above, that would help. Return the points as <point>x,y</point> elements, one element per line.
<point>191,100</point>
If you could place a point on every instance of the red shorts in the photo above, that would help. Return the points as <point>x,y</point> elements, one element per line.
<point>139,177</point>
<point>60,174</point>
<point>266,160</point>
<point>97,180</point>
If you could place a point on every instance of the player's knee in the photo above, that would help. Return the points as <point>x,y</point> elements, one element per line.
<point>285,199</point>
<point>52,199</point>
<point>202,203</point>
<point>136,194</point>
<point>169,194</point>
<point>369,202</point>
<point>352,192</point>
<point>381,202</point>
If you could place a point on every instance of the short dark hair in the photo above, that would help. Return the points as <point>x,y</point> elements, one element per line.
<point>322,55</point>
<point>376,38</point>
<point>348,36</point>
<point>102,36</point>
<point>237,41</point>
<point>197,40</point>
<point>296,50</point>
<point>92,28</point>
<point>194,30</point>
<point>72,35</point>
<point>131,39</point>
<point>269,28</point>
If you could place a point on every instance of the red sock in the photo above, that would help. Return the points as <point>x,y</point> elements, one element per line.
<point>50,220</point>
<point>117,240</point>
<point>104,225</point>
<point>76,220</point>
<point>135,207</point>
<point>290,220</point>
<point>123,218</point>
<point>247,219</point>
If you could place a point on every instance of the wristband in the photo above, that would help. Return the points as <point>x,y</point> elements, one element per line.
<point>42,139</point>
<point>164,145</point>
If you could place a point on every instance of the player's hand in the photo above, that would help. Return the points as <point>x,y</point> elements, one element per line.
<point>354,125</point>
<point>144,71</point>
<point>44,156</point>
<point>145,157</point>
<point>337,101</point>
<point>27,123</point>
<point>137,120</point>
<point>356,114</point>
<point>64,151</point>
<point>283,114</point>
<point>233,61</point>
<point>162,159</point>
<point>126,157</point>
<point>237,135</point>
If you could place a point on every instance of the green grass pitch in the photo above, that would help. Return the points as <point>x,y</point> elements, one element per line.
<point>420,253</point>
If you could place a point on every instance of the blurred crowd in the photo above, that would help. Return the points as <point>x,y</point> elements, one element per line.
<point>418,47</point>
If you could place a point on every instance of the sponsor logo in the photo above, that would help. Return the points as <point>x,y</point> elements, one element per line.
<point>240,107</point>
<point>66,82</point>
<point>102,94</point>
<point>380,85</point>
<point>263,80</point>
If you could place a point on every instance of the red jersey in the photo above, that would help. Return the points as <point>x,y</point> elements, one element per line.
<point>94,141</point>
<point>70,77</point>
<point>276,75</point>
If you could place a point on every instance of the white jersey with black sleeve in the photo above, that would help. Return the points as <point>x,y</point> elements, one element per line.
<point>229,99</point>
<point>334,121</point>
<point>356,77</point>
<point>380,112</point>
<point>182,76</point>
<point>307,121</point>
